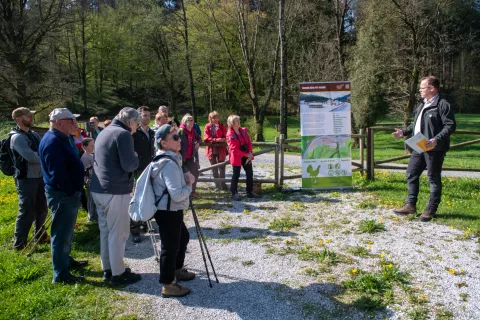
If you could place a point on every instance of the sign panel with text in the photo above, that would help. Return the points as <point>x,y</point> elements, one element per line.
<point>325,122</point>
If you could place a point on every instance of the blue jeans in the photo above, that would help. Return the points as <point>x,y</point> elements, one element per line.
<point>64,215</point>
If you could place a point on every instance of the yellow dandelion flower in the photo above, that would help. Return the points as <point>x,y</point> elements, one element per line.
<point>451,227</point>
<point>452,271</point>
<point>467,233</point>
<point>382,255</point>
<point>320,243</point>
<point>380,221</point>
<point>328,240</point>
<point>354,271</point>
<point>395,219</point>
<point>370,242</point>
<point>390,266</point>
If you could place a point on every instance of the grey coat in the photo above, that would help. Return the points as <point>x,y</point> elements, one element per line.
<point>167,173</point>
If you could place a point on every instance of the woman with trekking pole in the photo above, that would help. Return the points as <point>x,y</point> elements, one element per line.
<point>172,190</point>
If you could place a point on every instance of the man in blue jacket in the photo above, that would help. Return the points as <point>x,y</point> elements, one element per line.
<point>63,176</point>
<point>112,183</point>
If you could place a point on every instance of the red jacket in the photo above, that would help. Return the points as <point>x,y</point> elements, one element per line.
<point>234,141</point>
<point>221,133</point>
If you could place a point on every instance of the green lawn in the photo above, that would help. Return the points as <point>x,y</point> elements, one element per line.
<point>460,206</point>
<point>25,283</point>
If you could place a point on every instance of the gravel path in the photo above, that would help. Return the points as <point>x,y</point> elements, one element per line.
<point>262,274</point>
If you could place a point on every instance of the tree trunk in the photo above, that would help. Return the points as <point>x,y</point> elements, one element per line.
<point>283,69</point>
<point>188,62</point>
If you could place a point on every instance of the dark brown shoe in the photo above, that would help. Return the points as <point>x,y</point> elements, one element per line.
<point>427,215</point>
<point>174,290</point>
<point>183,274</point>
<point>407,209</point>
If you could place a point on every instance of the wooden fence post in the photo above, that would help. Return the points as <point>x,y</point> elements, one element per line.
<point>282,151</point>
<point>370,154</point>
<point>276,176</point>
<point>362,149</point>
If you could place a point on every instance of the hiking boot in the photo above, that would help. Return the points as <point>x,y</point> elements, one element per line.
<point>182,274</point>
<point>174,290</point>
<point>407,209</point>
<point>127,277</point>
<point>428,214</point>
<point>253,195</point>
<point>236,197</point>
<point>70,280</point>
<point>107,274</point>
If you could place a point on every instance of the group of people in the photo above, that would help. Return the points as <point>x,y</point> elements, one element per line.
<point>49,171</point>
<point>52,172</point>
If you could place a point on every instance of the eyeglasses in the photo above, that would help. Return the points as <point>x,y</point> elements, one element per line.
<point>175,137</point>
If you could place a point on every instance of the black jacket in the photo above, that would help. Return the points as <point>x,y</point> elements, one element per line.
<point>144,147</point>
<point>438,121</point>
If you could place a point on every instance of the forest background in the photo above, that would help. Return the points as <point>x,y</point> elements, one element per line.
<point>235,56</point>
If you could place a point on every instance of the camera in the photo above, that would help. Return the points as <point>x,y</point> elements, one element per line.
<point>244,148</point>
<point>90,126</point>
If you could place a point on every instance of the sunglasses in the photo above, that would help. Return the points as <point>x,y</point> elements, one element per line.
<point>175,137</point>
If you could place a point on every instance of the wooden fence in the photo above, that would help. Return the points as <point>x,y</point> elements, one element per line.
<point>373,164</point>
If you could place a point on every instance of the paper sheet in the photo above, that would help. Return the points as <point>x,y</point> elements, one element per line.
<point>417,143</point>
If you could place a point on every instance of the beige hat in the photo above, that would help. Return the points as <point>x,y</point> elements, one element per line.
<point>62,113</point>
<point>20,112</point>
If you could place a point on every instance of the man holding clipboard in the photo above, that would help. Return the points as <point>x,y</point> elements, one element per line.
<point>434,119</point>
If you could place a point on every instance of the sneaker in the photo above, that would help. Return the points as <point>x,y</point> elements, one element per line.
<point>236,197</point>
<point>428,214</point>
<point>183,275</point>
<point>253,195</point>
<point>174,290</point>
<point>408,208</point>
<point>137,238</point>
<point>70,280</point>
<point>107,274</point>
<point>128,277</point>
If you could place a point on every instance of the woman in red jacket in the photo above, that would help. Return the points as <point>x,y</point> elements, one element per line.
<point>215,133</point>
<point>240,155</point>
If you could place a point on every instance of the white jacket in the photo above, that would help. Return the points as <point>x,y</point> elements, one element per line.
<point>167,173</point>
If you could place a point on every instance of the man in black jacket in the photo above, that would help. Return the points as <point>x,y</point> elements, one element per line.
<point>144,144</point>
<point>434,118</point>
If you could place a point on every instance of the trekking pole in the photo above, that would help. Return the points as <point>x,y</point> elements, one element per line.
<point>36,236</point>
<point>151,231</point>
<point>202,240</point>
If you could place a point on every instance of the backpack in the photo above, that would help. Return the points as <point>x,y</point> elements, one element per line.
<point>7,158</point>
<point>143,206</point>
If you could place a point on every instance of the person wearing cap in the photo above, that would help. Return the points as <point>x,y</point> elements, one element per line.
<point>143,142</point>
<point>63,176</point>
<point>111,186</point>
<point>189,147</point>
<point>32,204</point>
<point>167,174</point>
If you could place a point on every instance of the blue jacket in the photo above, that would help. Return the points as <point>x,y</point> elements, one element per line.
<point>62,169</point>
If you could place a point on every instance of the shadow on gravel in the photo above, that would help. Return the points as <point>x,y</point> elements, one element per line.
<point>458,215</point>
<point>239,234</point>
<point>252,300</point>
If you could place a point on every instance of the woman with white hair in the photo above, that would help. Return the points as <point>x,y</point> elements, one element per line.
<point>190,142</point>
<point>240,155</point>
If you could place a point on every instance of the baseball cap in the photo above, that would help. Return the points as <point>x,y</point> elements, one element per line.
<point>62,113</point>
<point>162,132</point>
<point>20,112</point>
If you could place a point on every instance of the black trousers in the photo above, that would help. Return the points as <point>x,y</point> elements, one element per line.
<point>192,167</point>
<point>432,161</point>
<point>218,172</point>
<point>236,174</point>
<point>174,237</point>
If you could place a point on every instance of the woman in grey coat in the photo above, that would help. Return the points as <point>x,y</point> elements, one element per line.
<point>172,191</point>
